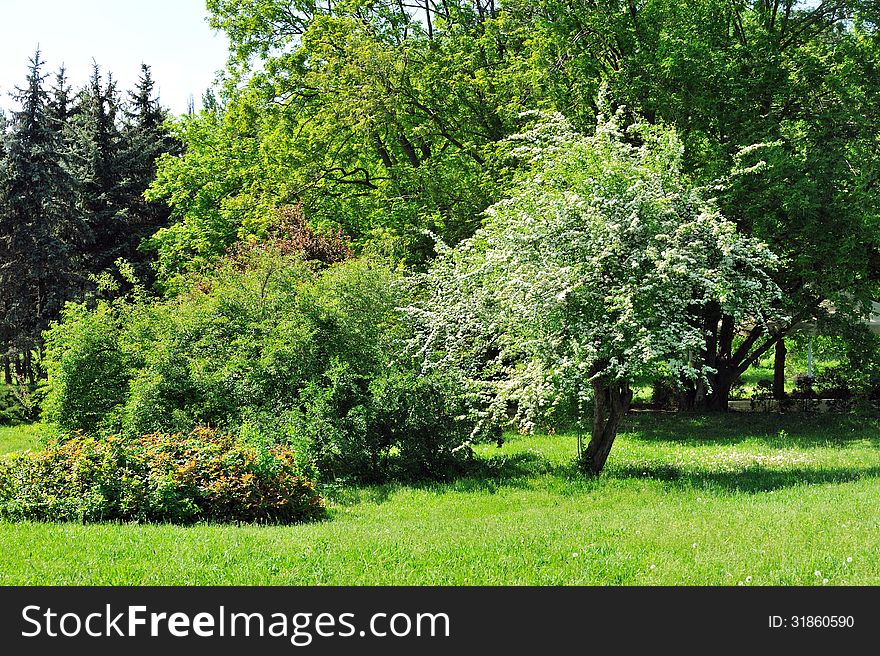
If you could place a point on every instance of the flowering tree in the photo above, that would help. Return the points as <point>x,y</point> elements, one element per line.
<point>590,275</point>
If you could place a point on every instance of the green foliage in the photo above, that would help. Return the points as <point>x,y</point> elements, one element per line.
<point>375,120</point>
<point>399,424</point>
<point>20,403</point>
<point>41,229</point>
<point>778,99</point>
<point>854,363</point>
<point>664,393</point>
<point>10,410</point>
<point>73,171</point>
<point>273,346</point>
<point>590,273</point>
<point>204,475</point>
<point>87,367</point>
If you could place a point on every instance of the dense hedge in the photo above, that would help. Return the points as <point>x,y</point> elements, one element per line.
<point>205,475</point>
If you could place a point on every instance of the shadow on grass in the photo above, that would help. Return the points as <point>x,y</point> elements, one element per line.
<point>525,470</point>
<point>528,471</point>
<point>531,470</point>
<point>773,430</point>
<point>751,479</point>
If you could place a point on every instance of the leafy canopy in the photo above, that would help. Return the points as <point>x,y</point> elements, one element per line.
<point>593,269</point>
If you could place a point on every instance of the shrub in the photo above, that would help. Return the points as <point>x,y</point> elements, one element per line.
<point>400,424</point>
<point>290,234</point>
<point>87,368</point>
<point>205,475</point>
<point>664,392</point>
<point>803,386</point>
<point>317,348</point>
<point>763,389</point>
<point>834,383</point>
<point>19,404</point>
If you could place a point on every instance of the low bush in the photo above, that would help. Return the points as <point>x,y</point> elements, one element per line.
<point>92,377</point>
<point>19,404</point>
<point>401,424</point>
<point>833,383</point>
<point>203,476</point>
<point>664,393</point>
<point>804,387</point>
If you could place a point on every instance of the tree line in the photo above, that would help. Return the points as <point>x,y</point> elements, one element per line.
<point>74,165</point>
<point>514,166</point>
<point>389,119</point>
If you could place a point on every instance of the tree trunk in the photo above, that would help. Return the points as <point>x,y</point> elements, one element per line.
<point>7,369</point>
<point>610,405</point>
<point>719,349</point>
<point>29,367</point>
<point>779,370</point>
<point>19,369</point>
<point>718,400</point>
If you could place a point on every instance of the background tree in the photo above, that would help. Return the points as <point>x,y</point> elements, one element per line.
<point>145,139</point>
<point>40,231</point>
<point>100,170</point>
<point>72,179</point>
<point>371,117</point>
<point>798,77</point>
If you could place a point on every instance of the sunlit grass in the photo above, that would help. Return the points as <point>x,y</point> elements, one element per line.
<point>20,438</point>
<point>685,500</point>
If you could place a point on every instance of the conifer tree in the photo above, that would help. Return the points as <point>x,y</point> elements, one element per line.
<point>40,234</point>
<point>145,139</point>
<point>5,327</point>
<point>99,170</point>
<point>60,102</point>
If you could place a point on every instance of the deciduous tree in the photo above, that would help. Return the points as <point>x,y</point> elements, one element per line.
<point>585,279</point>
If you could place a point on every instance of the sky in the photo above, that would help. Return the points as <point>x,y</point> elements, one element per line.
<point>171,36</point>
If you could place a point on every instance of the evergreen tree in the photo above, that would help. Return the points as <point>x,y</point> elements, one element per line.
<point>99,170</point>
<point>5,327</point>
<point>40,234</point>
<point>60,102</point>
<point>144,140</point>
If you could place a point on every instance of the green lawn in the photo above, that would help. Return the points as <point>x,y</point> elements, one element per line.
<point>685,500</point>
<point>20,438</point>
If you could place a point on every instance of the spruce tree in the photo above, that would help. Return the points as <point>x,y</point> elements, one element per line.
<point>40,234</point>
<point>99,170</point>
<point>145,140</point>
<point>5,326</point>
<point>60,102</point>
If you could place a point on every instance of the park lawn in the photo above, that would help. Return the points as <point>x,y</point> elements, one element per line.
<point>757,500</point>
<point>20,438</point>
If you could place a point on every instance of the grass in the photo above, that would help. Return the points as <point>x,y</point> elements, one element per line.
<point>758,500</point>
<point>20,438</point>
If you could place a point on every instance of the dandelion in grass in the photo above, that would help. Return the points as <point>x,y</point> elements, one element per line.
<point>748,579</point>
<point>817,573</point>
<point>849,559</point>
<point>825,581</point>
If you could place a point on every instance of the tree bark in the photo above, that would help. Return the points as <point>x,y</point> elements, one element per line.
<point>719,356</point>
<point>779,370</point>
<point>7,369</point>
<point>610,404</point>
<point>722,381</point>
<point>29,367</point>
<point>19,369</point>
